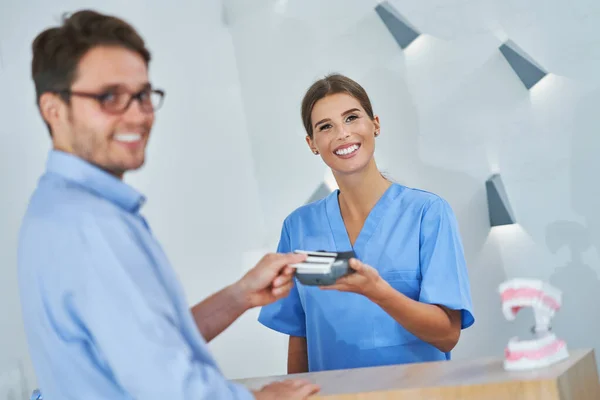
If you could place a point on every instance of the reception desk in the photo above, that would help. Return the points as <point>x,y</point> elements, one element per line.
<point>575,378</point>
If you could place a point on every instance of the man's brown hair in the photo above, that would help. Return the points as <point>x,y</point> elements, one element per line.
<point>58,50</point>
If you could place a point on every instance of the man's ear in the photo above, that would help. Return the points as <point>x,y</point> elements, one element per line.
<point>50,108</point>
<point>311,146</point>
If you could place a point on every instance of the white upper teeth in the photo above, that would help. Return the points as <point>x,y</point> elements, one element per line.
<point>128,137</point>
<point>347,150</point>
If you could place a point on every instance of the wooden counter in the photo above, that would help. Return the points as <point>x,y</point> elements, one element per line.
<point>575,378</point>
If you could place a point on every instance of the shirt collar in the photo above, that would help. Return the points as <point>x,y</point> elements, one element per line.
<point>94,179</point>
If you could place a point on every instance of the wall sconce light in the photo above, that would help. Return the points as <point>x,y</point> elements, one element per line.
<point>528,71</point>
<point>499,208</point>
<point>402,31</point>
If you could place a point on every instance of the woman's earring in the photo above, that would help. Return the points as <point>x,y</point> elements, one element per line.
<point>376,133</point>
<point>316,152</point>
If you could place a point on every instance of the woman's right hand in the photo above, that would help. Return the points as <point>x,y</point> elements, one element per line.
<point>291,389</point>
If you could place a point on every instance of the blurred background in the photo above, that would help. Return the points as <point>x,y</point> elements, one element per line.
<point>227,160</point>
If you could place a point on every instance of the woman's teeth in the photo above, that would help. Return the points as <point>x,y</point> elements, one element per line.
<point>128,137</point>
<point>347,150</point>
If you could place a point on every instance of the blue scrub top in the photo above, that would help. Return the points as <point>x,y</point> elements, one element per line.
<point>411,237</point>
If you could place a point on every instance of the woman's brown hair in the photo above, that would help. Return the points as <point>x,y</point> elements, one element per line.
<point>332,84</point>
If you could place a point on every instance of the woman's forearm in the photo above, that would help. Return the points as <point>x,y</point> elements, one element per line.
<point>297,355</point>
<point>431,323</point>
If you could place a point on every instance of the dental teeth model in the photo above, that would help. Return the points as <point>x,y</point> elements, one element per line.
<point>545,300</point>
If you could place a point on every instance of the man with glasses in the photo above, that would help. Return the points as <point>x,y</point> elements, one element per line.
<point>104,313</point>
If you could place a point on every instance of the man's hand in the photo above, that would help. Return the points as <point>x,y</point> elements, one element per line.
<point>365,280</point>
<point>292,389</point>
<point>270,280</point>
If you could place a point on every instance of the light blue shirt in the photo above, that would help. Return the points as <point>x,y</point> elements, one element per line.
<point>411,238</point>
<point>104,313</point>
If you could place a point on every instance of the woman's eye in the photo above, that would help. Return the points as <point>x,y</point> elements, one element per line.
<point>323,127</point>
<point>351,118</point>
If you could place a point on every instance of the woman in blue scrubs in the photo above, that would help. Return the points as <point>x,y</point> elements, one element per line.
<point>410,296</point>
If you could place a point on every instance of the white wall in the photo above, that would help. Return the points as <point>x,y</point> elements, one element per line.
<point>230,135</point>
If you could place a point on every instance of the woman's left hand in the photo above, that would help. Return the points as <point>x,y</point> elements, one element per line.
<point>366,280</point>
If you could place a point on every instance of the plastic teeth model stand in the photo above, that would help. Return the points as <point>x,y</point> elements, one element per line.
<point>545,300</point>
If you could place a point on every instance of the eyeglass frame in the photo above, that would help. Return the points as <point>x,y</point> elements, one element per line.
<point>65,93</point>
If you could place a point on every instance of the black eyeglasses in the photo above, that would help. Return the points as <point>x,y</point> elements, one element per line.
<point>118,101</point>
